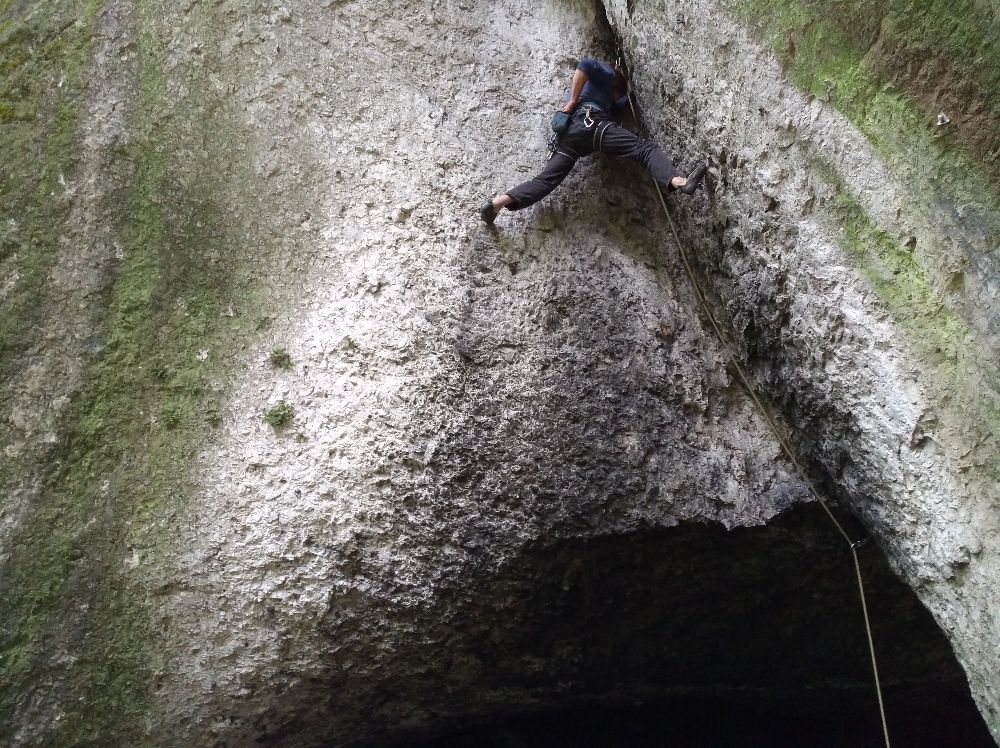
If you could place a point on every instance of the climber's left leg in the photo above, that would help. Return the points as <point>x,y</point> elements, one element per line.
<point>615,140</point>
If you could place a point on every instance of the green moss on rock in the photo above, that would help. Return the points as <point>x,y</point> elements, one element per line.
<point>827,49</point>
<point>44,51</point>
<point>944,344</point>
<point>76,637</point>
<point>887,66</point>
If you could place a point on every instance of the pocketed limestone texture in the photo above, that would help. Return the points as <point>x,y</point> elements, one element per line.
<point>513,470</point>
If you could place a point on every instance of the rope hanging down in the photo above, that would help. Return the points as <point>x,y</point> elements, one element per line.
<point>781,440</point>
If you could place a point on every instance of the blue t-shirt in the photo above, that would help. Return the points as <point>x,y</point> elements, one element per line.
<point>600,85</point>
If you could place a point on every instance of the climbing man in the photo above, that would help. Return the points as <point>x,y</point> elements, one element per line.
<point>598,92</point>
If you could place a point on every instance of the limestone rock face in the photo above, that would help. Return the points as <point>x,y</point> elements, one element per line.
<point>460,395</point>
<point>342,465</point>
<point>895,397</point>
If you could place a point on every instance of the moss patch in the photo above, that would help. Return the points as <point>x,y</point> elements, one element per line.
<point>44,52</point>
<point>826,50</point>
<point>943,342</point>
<point>876,62</point>
<point>279,415</point>
<point>827,63</point>
<point>280,358</point>
<point>901,283</point>
<point>76,637</point>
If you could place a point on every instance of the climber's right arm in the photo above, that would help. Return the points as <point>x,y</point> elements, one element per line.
<point>579,79</point>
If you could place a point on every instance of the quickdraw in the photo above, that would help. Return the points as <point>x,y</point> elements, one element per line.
<point>553,144</point>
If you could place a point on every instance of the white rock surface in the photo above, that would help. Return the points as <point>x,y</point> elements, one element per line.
<point>458,393</point>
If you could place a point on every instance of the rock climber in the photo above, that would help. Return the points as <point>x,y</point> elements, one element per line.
<point>597,93</point>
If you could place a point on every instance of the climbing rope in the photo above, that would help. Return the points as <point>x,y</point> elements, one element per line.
<point>852,545</point>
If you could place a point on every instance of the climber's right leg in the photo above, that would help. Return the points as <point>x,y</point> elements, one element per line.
<point>530,192</point>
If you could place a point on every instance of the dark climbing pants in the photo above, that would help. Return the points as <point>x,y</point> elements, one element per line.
<point>578,141</point>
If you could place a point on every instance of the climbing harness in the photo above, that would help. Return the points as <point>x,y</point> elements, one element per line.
<point>599,135</point>
<point>555,146</point>
<point>602,127</point>
<point>772,423</point>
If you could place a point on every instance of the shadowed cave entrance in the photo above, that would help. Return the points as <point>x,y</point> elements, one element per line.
<point>696,635</point>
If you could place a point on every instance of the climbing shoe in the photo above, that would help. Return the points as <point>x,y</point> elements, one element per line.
<point>488,213</point>
<point>694,178</point>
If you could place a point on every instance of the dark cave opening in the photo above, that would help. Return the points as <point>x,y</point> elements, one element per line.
<point>696,635</point>
<point>819,720</point>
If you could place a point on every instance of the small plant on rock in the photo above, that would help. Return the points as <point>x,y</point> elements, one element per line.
<point>171,416</point>
<point>280,415</point>
<point>213,416</point>
<point>280,359</point>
